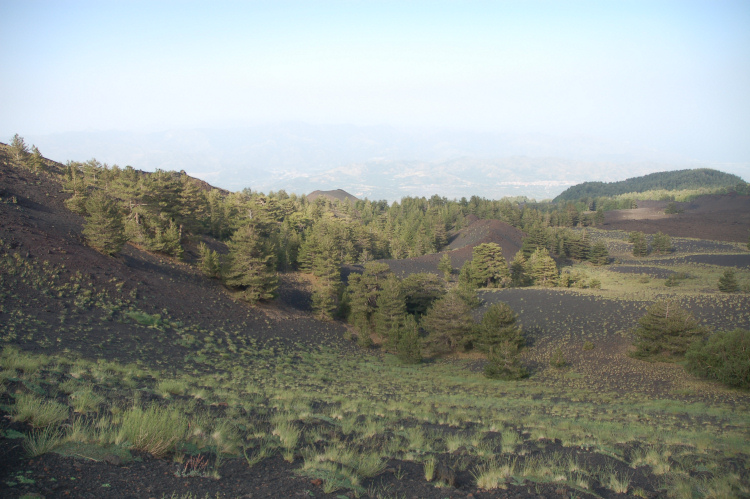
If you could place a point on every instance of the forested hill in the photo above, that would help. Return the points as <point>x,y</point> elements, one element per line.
<point>672,181</point>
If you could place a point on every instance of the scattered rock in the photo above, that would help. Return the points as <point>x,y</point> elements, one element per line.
<point>112,459</point>
<point>445,475</point>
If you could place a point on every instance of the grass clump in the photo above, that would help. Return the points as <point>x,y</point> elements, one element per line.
<point>86,400</point>
<point>13,359</point>
<point>42,441</point>
<point>154,430</point>
<point>493,475</point>
<point>169,387</point>
<point>37,412</point>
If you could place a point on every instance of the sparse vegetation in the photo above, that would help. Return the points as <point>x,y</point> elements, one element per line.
<point>143,357</point>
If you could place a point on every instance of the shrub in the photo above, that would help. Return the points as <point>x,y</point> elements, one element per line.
<point>665,330</point>
<point>724,357</point>
<point>662,243</point>
<point>728,282</point>
<point>672,209</point>
<point>640,244</point>
<point>599,255</point>
<point>503,363</point>
<point>558,359</point>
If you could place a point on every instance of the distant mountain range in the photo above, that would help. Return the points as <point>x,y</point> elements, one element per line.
<point>378,162</point>
<point>539,178</point>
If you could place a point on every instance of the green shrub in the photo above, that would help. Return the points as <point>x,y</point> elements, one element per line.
<point>558,359</point>
<point>724,357</point>
<point>154,430</point>
<point>728,282</point>
<point>503,362</point>
<point>672,209</point>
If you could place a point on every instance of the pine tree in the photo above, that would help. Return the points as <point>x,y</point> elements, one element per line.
<point>599,255</point>
<point>445,266</point>
<point>665,330</point>
<point>542,269</point>
<point>36,161</point>
<point>503,362</point>
<point>103,228</point>
<point>489,268</point>
<point>498,325</point>
<point>19,150</point>
<point>209,261</point>
<point>324,298</point>
<point>728,282</point>
<point>409,349</point>
<point>74,182</point>
<point>466,278</point>
<point>420,292</point>
<point>390,311</point>
<point>251,269</point>
<point>448,324</point>
<point>518,270</point>
<point>538,237</point>
<point>362,294</point>
<point>640,244</point>
<point>166,240</point>
<point>662,243</point>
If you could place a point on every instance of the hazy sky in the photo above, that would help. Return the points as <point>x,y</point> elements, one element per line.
<point>672,75</point>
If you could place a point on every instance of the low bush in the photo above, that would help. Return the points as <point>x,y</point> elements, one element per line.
<point>724,357</point>
<point>558,359</point>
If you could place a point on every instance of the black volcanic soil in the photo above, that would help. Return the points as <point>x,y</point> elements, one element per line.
<point>716,217</point>
<point>39,227</point>
<point>461,245</point>
<point>35,225</point>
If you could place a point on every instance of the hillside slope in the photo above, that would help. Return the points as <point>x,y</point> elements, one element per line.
<point>335,195</point>
<point>723,217</point>
<point>674,180</point>
<point>461,246</point>
<point>99,305</point>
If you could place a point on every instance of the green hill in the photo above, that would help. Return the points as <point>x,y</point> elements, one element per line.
<point>671,181</point>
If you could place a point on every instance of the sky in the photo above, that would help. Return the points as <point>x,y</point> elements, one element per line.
<point>667,75</point>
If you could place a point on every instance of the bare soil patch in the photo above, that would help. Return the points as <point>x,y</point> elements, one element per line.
<point>716,217</point>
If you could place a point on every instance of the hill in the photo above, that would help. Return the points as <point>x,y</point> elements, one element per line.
<point>136,375</point>
<point>461,246</point>
<point>336,195</point>
<point>671,181</point>
<point>720,217</point>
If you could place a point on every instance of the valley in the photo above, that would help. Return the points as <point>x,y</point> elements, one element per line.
<point>137,374</point>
